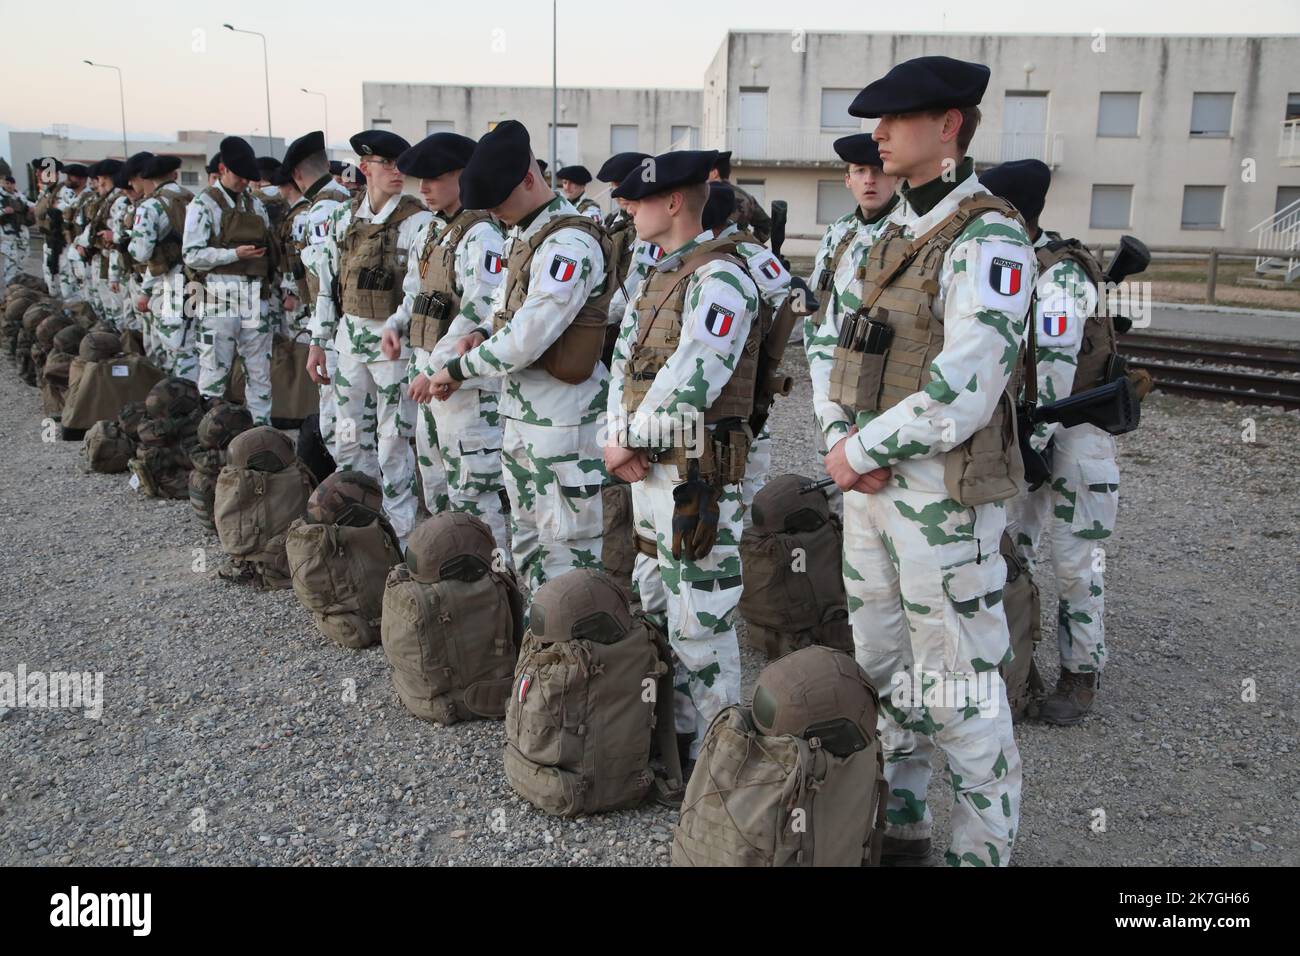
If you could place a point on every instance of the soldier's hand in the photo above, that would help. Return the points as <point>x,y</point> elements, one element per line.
<point>846,479</point>
<point>142,304</point>
<point>443,385</point>
<point>290,302</point>
<point>420,389</point>
<point>114,287</point>
<point>317,370</point>
<point>467,342</point>
<point>636,469</point>
<point>106,235</point>
<point>250,251</point>
<point>390,343</point>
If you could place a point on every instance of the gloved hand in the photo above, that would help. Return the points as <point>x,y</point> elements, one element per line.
<point>695,520</point>
<point>800,288</point>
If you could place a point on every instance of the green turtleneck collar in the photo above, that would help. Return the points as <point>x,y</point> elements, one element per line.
<point>926,196</point>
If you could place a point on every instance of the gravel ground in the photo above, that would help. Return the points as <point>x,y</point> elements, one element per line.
<point>233,733</point>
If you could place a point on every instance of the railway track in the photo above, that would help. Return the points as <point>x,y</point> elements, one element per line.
<point>1192,366</point>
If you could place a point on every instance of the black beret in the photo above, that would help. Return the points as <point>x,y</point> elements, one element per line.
<point>44,162</point>
<point>619,165</point>
<point>136,165</point>
<point>107,167</point>
<point>436,154</point>
<point>160,166</point>
<point>501,160</point>
<point>75,169</point>
<point>268,165</point>
<point>281,176</point>
<point>574,174</point>
<point>308,144</point>
<point>681,167</point>
<point>542,164</point>
<point>378,142</point>
<point>120,179</point>
<point>238,157</point>
<point>348,171</point>
<point>859,149</point>
<point>93,169</point>
<point>720,205</point>
<point>723,163</point>
<point>1022,183</point>
<point>925,83</point>
<point>213,163</point>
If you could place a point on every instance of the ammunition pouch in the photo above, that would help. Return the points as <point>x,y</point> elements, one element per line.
<point>431,316</point>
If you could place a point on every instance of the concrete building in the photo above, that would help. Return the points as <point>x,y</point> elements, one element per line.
<point>194,147</point>
<point>1180,140</point>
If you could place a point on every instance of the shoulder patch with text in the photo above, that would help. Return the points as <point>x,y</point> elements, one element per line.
<point>1004,276</point>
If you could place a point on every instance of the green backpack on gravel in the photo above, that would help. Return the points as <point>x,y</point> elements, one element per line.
<point>796,780</point>
<point>452,622</point>
<point>102,380</point>
<point>106,448</point>
<point>58,368</point>
<point>217,429</point>
<point>792,565</point>
<point>166,436</point>
<point>260,492</point>
<point>339,556</point>
<point>592,701</point>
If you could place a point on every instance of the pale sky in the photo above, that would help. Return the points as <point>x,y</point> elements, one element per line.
<point>181,70</point>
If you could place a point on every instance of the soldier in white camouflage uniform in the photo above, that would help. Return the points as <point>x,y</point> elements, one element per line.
<point>97,239</point>
<point>450,281</point>
<point>638,256</point>
<point>929,357</point>
<point>548,299</point>
<point>15,242</point>
<point>228,243</point>
<point>54,195</point>
<point>1076,507</point>
<point>572,183</point>
<point>306,162</point>
<point>687,364</point>
<point>121,266</point>
<point>72,268</point>
<point>368,242</point>
<point>157,241</point>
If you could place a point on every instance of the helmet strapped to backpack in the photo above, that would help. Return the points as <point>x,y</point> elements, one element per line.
<point>350,498</point>
<point>68,340</point>
<point>817,692</point>
<point>99,346</point>
<point>780,507</point>
<point>585,606</point>
<point>51,326</point>
<point>173,398</point>
<point>221,423</point>
<point>262,449</point>
<point>450,545</point>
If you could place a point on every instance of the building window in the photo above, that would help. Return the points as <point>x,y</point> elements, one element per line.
<point>1202,207</point>
<point>623,139</point>
<point>1117,114</point>
<point>756,188</point>
<point>381,124</point>
<point>833,200</point>
<point>835,109</point>
<point>438,126</point>
<point>189,177</point>
<point>1286,195</point>
<point>684,137</point>
<point>1293,106</point>
<point>1211,114</point>
<point>1111,207</point>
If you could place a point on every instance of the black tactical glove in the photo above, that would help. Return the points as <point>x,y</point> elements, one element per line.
<point>695,519</point>
<point>806,303</point>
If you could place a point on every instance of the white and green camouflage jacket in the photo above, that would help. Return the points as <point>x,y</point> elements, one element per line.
<point>479,267</point>
<point>1065,299</point>
<point>567,270</point>
<point>151,227</point>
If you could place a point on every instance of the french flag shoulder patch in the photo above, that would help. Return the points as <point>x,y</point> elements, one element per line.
<point>1055,324</point>
<point>1004,276</point>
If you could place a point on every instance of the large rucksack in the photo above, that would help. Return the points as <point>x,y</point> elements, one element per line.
<point>166,437</point>
<point>107,448</point>
<point>260,492</point>
<point>217,429</point>
<point>452,622</point>
<point>294,395</point>
<point>618,545</point>
<point>796,780</point>
<point>339,555</point>
<point>592,701</point>
<point>791,561</point>
<point>100,384</point>
<point>1024,621</point>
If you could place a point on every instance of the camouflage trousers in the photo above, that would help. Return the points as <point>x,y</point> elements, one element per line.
<point>924,581</point>
<point>758,469</point>
<point>553,475</point>
<point>329,401</point>
<point>695,600</point>
<point>69,278</point>
<point>13,249</point>
<point>220,337</point>
<point>172,344</point>
<point>1076,511</point>
<point>372,431</point>
<point>458,448</point>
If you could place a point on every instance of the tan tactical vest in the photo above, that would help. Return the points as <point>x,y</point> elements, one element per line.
<point>240,226</point>
<point>1099,338</point>
<point>289,250</point>
<point>372,247</point>
<point>826,281</point>
<point>901,277</point>
<point>622,236</point>
<point>659,309</point>
<point>128,261</point>
<point>439,302</point>
<point>575,353</point>
<point>167,250</point>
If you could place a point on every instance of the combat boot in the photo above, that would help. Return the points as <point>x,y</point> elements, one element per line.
<point>896,851</point>
<point>1071,701</point>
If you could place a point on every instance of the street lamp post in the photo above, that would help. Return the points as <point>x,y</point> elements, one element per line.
<point>121,98</point>
<point>555,93</point>
<point>270,143</point>
<point>326,100</point>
